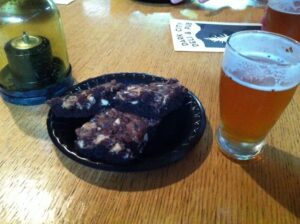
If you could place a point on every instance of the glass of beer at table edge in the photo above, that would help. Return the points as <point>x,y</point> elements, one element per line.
<point>260,74</point>
<point>283,16</point>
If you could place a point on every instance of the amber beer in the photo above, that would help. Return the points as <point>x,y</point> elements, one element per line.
<point>283,16</point>
<point>260,73</point>
<point>247,113</point>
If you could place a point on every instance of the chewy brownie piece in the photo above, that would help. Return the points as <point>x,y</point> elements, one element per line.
<point>114,136</point>
<point>153,100</point>
<point>87,102</point>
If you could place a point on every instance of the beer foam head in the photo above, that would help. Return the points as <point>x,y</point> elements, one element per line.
<point>262,60</point>
<point>285,6</point>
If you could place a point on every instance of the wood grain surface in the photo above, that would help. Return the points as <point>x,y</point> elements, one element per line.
<point>38,184</point>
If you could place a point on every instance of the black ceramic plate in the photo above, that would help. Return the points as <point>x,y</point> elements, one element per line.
<point>176,135</point>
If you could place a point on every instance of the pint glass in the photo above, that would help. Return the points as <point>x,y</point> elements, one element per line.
<point>283,16</point>
<point>260,73</point>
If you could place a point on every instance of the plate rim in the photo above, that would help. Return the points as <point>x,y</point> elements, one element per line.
<point>181,150</point>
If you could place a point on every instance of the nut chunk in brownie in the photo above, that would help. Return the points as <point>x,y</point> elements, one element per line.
<point>114,136</point>
<point>153,100</point>
<point>87,102</point>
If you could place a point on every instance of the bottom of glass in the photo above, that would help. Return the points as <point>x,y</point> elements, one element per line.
<point>239,150</point>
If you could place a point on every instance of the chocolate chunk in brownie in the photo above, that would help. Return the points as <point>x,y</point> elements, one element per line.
<point>87,102</point>
<point>114,136</point>
<point>153,100</point>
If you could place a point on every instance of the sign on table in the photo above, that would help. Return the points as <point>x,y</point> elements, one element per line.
<point>204,36</point>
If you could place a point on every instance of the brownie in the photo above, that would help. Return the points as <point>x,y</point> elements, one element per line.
<point>87,102</point>
<point>154,100</point>
<point>114,136</point>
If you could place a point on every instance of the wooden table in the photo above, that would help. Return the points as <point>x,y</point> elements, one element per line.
<point>41,185</point>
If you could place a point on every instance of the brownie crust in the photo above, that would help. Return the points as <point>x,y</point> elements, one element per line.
<point>154,100</point>
<point>86,103</point>
<point>114,136</point>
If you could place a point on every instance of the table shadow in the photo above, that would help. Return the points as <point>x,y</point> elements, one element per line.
<point>30,119</point>
<point>141,181</point>
<point>278,173</point>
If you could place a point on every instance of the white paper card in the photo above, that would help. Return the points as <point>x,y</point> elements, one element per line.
<point>189,35</point>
